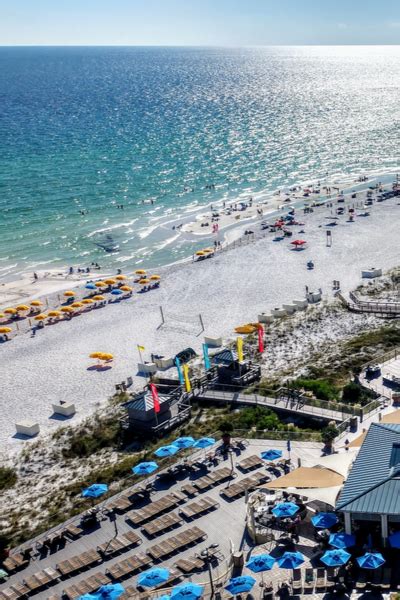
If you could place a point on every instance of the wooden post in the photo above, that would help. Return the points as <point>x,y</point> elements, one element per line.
<point>201,323</point>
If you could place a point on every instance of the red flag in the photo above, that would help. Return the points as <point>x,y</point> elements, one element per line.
<point>261,339</point>
<point>156,400</point>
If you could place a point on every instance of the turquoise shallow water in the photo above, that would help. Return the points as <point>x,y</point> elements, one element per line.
<point>87,129</point>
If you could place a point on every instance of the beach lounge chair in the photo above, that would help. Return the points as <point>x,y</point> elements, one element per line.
<point>162,524</point>
<point>309,580</point>
<point>190,565</point>
<point>15,562</point>
<point>330,578</point>
<point>361,581</point>
<point>296,582</point>
<point>72,531</point>
<point>189,490</point>
<point>320,582</point>
<point>249,463</point>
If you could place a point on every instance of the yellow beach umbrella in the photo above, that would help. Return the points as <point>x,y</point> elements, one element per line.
<point>200,253</point>
<point>2,315</point>
<point>96,355</point>
<point>67,309</point>
<point>155,278</point>
<point>140,272</point>
<point>110,281</point>
<point>54,313</point>
<point>69,294</point>
<point>121,277</point>
<point>126,288</point>
<point>98,298</point>
<point>77,305</point>
<point>5,330</point>
<point>100,284</point>
<point>40,317</point>
<point>22,307</point>
<point>36,303</point>
<point>87,301</point>
<point>208,250</point>
<point>144,281</point>
<point>11,311</point>
<point>106,356</point>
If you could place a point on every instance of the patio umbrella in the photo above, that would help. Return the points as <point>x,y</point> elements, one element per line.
<point>371,560</point>
<point>298,243</point>
<point>67,309</point>
<point>343,540</point>
<point>187,591</point>
<point>144,281</point>
<point>90,286</point>
<point>394,539</point>
<point>5,330</point>
<point>290,560</point>
<point>335,558</point>
<point>100,284</point>
<point>40,317</point>
<point>116,292</point>
<point>324,520</point>
<point>164,597</point>
<point>261,562</point>
<point>110,281</point>
<point>145,468</point>
<point>95,491</point>
<point>121,277</point>
<point>153,577</point>
<point>22,307</point>
<point>126,288</point>
<point>184,442</point>
<point>69,294</point>
<point>111,591</point>
<point>271,454</point>
<point>165,451</point>
<point>285,509</point>
<point>10,311</point>
<point>204,442</point>
<point>98,298</point>
<point>87,301</point>
<point>240,585</point>
<point>155,278</point>
<point>36,303</point>
<point>140,272</point>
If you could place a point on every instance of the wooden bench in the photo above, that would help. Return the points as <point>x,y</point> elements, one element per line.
<point>164,523</point>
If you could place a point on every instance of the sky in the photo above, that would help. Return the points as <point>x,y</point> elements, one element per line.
<point>199,22</point>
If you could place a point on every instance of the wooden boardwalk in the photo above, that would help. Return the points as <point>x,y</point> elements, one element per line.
<point>353,303</point>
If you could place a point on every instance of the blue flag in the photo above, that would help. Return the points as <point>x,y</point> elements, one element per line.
<point>207,364</point>
<point>178,368</point>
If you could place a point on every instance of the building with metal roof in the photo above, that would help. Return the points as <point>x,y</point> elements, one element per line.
<point>372,489</point>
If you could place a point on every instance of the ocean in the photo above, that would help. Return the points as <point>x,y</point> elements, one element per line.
<point>165,132</point>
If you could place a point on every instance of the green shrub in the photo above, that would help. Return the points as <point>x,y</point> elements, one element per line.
<point>321,388</point>
<point>8,478</point>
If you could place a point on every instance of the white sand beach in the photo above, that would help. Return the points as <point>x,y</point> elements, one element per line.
<point>230,289</point>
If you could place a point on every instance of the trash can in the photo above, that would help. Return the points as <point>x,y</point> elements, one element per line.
<point>353,423</point>
<point>238,559</point>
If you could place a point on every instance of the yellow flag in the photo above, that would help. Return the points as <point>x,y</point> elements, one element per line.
<point>240,349</point>
<point>141,348</point>
<point>185,370</point>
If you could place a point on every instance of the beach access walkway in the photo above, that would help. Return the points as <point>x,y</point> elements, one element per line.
<point>377,307</point>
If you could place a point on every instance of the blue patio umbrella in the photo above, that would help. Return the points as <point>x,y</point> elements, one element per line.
<point>324,520</point>
<point>153,577</point>
<point>285,509</point>
<point>290,560</point>
<point>111,591</point>
<point>184,442</point>
<point>261,562</point>
<point>271,454</point>
<point>204,442</point>
<point>371,560</point>
<point>240,585</point>
<point>90,286</point>
<point>165,451</point>
<point>342,540</point>
<point>335,558</point>
<point>145,468</point>
<point>394,539</point>
<point>95,491</point>
<point>187,591</point>
<point>117,292</point>
<point>164,597</point>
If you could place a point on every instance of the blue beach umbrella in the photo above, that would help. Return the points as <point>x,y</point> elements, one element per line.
<point>165,451</point>
<point>105,592</point>
<point>90,286</point>
<point>153,577</point>
<point>371,560</point>
<point>145,468</point>
<point>290,560</point>
<point>261,562</point>
<point>204,442</point>
<point>183,442</point>
<point>324,520</point>
<point>335,558</point>
<point>164,597</point>
<point>342,540</point>
<point>285,509</point>
<point>95,491</point>
<point>394,539</point>
<point>117,292</point>
<point>187,591</point>
<point>240,585</point>
<point>271,454</point>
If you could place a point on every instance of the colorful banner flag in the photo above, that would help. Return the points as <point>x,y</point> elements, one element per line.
<point>156,400</point>
<point>178,368</point>
<point>207,363</point>
<point>141,348</point>
<point>240,349</point>
<point>188,386</point>
<point>261,339</point>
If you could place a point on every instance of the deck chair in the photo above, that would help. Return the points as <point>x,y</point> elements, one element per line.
<point>297,583</point>
<point>320,582</point>
<point>309,580</point>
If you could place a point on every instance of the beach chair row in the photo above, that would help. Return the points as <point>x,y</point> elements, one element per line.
<point>236,490</point>
<point>208,481</point>
<point>86,586</point>
<point>155,509</point>
<point>251,462</point>
<point>127,500</point>
<point>199,507</point>
<point>163,523</point>
<point>119,543</point>
<point>176,543</point>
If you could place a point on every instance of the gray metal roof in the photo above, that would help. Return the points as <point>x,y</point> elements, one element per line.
<point>144,402</point>
<point>373,485</point>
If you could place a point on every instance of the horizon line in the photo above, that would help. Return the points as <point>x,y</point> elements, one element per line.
<point>191,45</point>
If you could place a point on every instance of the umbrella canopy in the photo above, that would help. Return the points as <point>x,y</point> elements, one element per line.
<point>98,298</point>
<point>5,330</point>
<point>165,451</point>
<point>155,278</point>
<point>140,272</point>
<point>394,539</point>
<point>96,354</point>
<point>116,292</point>
<point>22,307</point>
<point>271,454</point>
<point>69,294</point>
<point>95,491</point>
<point>106,356</point>
<point>200,253</point>
<point>307,477</point>
<point>40,317</point>
<point>240,585</point>
<point>54,313</point>
<point>11,311</point>
<point>126,288</point>
<point>343,540</point>
<point>110,281</point>
<point>290,560</point>
<point>153,577</point>
<point>87,301</point>
<point>204,442</point>
<point>298,242</point>
<point>184,442</point>
<point>324,520</point>
<point>111,591</point>
<point>144,281</point>
<point>145,468</point>
<point>187,591</point>
<point>261,562</point>
<point>121,277</point>
<point>335,558</point>
<point>77,305</point>
<point>100,284</point>
<point>36,303</point>
<point>371,560</point>
<point>67,309</point>
<point>285,509</point>
<point>90,286</point>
